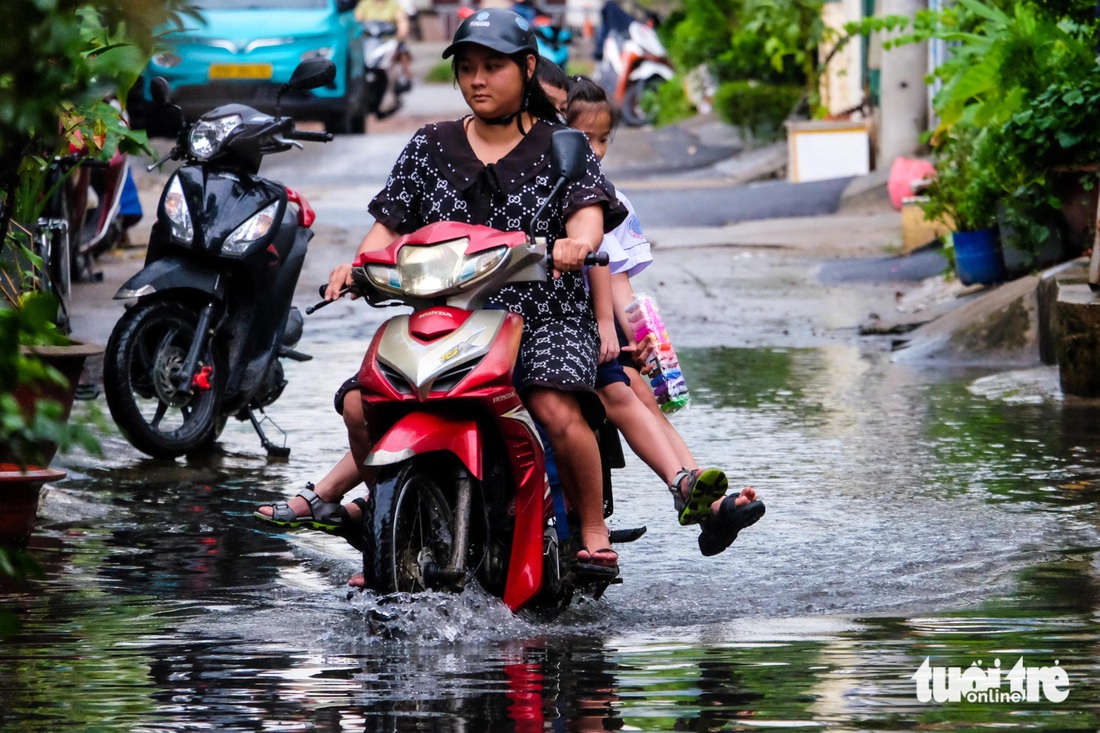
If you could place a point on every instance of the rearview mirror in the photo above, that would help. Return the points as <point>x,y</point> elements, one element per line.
<point>569,154</point>
<point>160,92</point>
<point>312,73</point>
<point>343,6</point>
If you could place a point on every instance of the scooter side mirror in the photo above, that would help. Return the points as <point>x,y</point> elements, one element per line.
<point>160,92</point>
<point>170,115</point>
<point>568,161</point>
<point>343,6</point>
<point>312,73</point>
<point>569,154</point>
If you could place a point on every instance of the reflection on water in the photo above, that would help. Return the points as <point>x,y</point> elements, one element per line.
<point>910,515</point>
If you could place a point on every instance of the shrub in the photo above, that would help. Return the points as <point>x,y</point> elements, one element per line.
<point>440,73</point>
<point>668,103</point>
<point>757,109</point>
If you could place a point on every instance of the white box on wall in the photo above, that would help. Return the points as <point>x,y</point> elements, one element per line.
<point>822,149</point>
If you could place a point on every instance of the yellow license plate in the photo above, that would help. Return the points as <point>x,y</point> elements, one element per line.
<point>240,71</point>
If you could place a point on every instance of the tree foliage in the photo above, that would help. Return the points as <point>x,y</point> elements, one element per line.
<point>757,51</point>
<point>67,51</point>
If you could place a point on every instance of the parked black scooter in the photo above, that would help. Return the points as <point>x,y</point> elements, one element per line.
<point>213,315</point>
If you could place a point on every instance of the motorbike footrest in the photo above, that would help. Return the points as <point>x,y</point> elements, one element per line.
<point>294,355</point>
<point>584,573</point>
<point>619,536</point>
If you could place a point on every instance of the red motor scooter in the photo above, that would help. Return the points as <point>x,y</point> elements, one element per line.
<point>461,488</point>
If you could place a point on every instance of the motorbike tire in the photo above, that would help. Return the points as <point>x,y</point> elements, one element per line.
<point>407,531</point>
<point>353,121</point>
<point>1094,269</point>
<point>146,347</point>
<point>54,246</point>
<point>633,113</point>
<point>376,86</point>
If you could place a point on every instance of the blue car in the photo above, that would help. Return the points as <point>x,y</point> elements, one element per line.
<point>244,50</point>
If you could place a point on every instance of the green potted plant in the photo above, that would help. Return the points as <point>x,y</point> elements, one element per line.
<point>1052,148</point>
<point>29,437</point>
<point>1024,74</point>
<point>964,193</point>
<point>50,62</point>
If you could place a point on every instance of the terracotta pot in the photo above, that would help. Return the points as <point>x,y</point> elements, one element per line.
<point>1078,206</point>
<point>19,492</point>
<point>69,360</point>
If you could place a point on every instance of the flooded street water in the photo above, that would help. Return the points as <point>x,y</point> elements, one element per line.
<point>912,514</point>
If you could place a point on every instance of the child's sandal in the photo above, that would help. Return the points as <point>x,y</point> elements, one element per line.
<point>702,488</point>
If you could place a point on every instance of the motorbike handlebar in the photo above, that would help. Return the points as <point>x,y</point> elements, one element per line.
<point>320,137</point>
<point>594,259</point>
<point>597,259</point>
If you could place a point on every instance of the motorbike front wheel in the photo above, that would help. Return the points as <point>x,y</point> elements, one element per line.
<point>408,533</point>
<point>633,112</point>
<point>147,348</point>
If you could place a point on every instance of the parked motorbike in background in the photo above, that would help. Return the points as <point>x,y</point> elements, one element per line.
<point>633,62</point>
<point>101,227</point>
<point>461,490</point>
<point>553,38</point>
<point>213,316</point>
<point>381,49</point>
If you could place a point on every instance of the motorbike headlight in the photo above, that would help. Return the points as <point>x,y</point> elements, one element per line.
<point>179,215</point>
<point>257,225</point>
<point>435,270</point>
<point>322,53</point>
<point>207,136</point>
<point>167,60</point>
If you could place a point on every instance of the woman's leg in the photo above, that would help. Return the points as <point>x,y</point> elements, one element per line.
<point>348,472</point>
<point>342,478</point>
<point>578,459</point>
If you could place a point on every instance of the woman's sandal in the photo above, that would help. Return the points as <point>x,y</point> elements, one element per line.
<point>704,487</point>
<point>721,530</point>
<point>323,515</point>
<point>603,558</point>
<point>351,530</point>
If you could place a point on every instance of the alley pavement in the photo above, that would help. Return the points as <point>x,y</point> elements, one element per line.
<point>734,198</point>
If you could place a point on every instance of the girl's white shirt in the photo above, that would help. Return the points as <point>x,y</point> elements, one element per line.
<point>626,245</point>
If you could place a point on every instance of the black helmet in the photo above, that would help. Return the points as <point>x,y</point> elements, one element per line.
<point>501,30</point>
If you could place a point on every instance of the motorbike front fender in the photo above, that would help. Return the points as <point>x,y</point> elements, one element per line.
<point>171,273</point>
<point>648,69</point>
<point>418,433</point>
<point>421,432</point>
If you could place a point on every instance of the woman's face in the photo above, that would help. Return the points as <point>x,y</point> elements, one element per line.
<point>594,120</point>
<point>491,82</point>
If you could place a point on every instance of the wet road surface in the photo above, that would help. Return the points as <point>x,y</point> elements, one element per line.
<point>912,514</point>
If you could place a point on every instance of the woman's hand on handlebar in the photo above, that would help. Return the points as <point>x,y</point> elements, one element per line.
<point>339,280</point>
<point>569,254</point>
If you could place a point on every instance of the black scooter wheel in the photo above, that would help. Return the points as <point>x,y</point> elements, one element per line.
<point>407,532</point>
<point>633,113</point>
<point>147,348</point>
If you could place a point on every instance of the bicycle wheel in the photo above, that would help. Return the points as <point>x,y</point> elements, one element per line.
<point>53,244</point>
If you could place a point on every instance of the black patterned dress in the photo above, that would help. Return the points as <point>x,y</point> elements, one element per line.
<point>439,178</point>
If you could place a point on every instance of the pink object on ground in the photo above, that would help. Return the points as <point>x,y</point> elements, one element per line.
<point>903,173</point>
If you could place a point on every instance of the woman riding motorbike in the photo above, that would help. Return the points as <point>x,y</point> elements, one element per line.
<point>493,168</point>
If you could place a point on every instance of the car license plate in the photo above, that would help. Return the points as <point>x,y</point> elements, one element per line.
<point>240,71</point>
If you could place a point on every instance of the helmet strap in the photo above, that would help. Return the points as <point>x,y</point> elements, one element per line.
<point>517,115</point>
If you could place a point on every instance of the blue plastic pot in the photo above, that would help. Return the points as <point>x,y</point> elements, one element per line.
<point>978,257</point>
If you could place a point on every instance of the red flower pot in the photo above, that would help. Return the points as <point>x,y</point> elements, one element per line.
<point>19,492</point>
